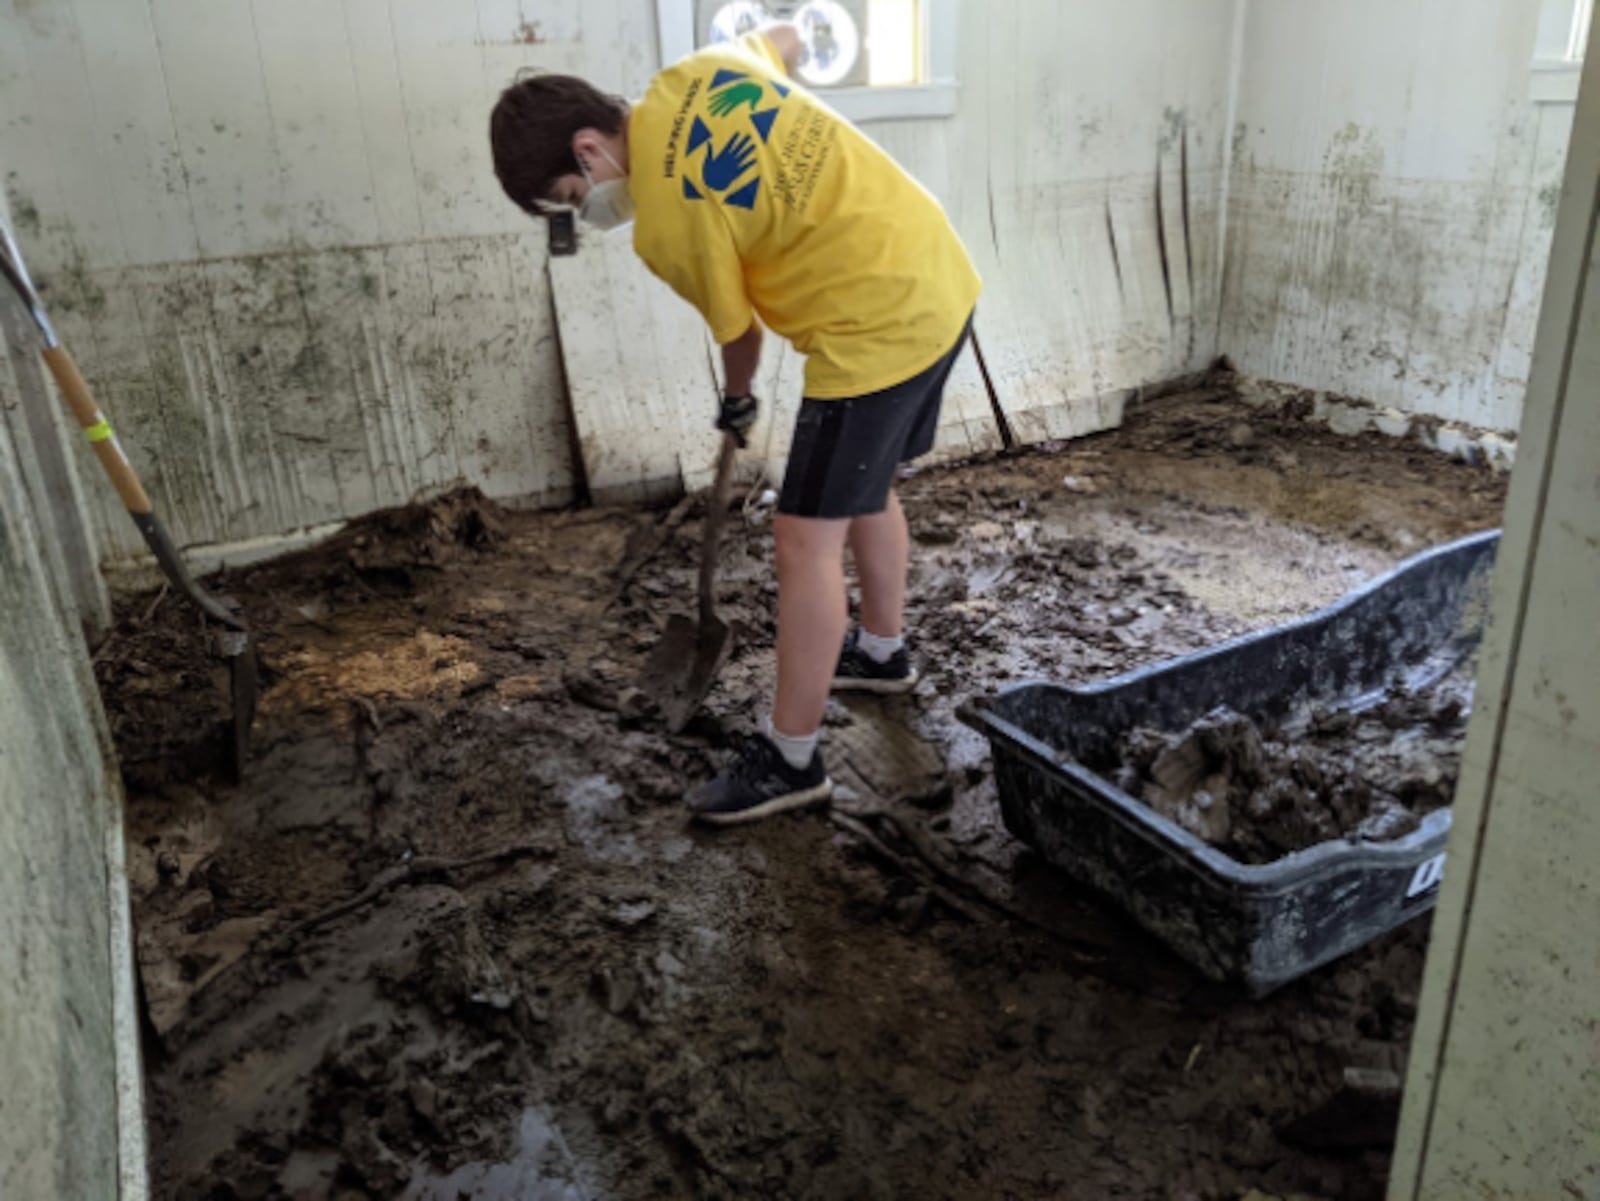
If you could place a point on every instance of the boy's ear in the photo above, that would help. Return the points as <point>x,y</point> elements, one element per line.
<point>586,145</point>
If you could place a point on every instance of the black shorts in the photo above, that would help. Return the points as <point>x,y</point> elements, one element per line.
<point>845,453</point>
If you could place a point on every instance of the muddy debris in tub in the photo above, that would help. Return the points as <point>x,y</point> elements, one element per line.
<point>1260,791</point>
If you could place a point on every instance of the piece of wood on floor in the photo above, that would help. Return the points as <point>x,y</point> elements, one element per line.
<point>639,373</point>
<point>892,762</point>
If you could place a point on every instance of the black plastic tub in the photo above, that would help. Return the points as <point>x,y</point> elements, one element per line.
<point>1260,925</point>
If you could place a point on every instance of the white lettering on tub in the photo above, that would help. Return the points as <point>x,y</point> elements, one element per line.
<point>1427,875</point>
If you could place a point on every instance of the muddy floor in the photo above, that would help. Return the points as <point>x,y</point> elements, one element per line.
<point>453,938</point>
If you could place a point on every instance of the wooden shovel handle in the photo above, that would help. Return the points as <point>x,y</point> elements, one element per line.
<point>98,430</point>
<point>95,427</point>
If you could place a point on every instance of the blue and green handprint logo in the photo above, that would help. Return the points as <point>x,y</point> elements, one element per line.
<point>725,165</point>
<point>746,94</point>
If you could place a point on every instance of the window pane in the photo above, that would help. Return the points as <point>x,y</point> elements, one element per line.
<point>832,43</point>
<point>893,49</point>
<point>1581,16</point>
<point>734,20</point>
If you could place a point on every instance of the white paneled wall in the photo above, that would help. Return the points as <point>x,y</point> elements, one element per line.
<point>271,231</point>
<point>1391,202</point>
<point>1084,168</point>
<point>272,235</point>
<point>71,1122</point>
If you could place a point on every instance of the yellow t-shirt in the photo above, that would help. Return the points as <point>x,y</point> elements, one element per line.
<point>751,195</point>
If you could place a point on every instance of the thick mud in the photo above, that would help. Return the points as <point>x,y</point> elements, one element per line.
<point>1261,793</point>
<point>452,938</point>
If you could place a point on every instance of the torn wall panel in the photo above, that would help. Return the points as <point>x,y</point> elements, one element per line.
<point>638,368</point>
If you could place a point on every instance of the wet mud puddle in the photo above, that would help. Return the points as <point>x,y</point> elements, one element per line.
<point>539,1169</point>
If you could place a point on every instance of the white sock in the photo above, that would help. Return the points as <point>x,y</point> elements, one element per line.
<point>797,752</point>
<point>876,647</point>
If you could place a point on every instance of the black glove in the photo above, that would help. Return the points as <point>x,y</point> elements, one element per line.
<point>736,415</point>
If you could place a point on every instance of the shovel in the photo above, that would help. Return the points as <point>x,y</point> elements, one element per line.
<point>685,663</point>
<point>233,641</point>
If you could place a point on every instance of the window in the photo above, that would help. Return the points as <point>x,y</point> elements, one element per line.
<point>873,59</point>
<point>1582,11</point>
<point>1558,53</point>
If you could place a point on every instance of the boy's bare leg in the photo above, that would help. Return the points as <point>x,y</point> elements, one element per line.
<point>812,618</point>
<point>881,544</point>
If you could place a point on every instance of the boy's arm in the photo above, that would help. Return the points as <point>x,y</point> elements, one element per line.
<point>739,360</point>
<point>738,410</point>
<point>785,39</point>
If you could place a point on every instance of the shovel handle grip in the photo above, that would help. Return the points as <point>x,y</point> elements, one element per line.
<point>95,427</point>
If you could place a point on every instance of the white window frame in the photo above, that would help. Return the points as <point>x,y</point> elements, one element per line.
<point>933,98</point>
<point>1558,54</point>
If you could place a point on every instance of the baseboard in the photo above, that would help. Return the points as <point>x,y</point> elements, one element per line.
<point>133,1160</point>
<point>1349,415</point>
<point>139,573</point>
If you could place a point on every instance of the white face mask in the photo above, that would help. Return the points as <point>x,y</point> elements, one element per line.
<point>607,204</point>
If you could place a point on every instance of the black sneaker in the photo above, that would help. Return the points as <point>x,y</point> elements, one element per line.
<point>758,784</point>
<point>860,672</point>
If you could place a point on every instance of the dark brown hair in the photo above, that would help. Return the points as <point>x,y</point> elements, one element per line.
<point>531,128</point>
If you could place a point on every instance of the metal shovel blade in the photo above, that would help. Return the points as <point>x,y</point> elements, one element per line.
<point>684,665</point>
<point>243,689</point>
